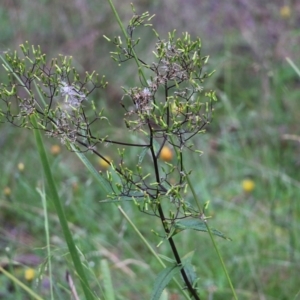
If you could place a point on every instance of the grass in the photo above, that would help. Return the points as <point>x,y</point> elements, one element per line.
<point>250,137</point>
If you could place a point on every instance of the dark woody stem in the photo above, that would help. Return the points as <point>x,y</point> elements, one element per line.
<point>165,225</point>
<point>176,255</point>
<point>161,215</point>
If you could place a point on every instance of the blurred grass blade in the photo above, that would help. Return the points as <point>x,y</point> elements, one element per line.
<point>92,170</point>
<point>107,283</point>
<point>60,212</point>
<point>21,284</point>
<point>47,234</point>
<point>108,187</point>
<point>162,280</point>
<point>291,63</point>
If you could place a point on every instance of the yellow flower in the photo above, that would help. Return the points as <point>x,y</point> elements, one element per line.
<point>103,163</point>
<point>29,274</point>
<point>21,167</point>
<point>248,185</point>
<point>166,154</point>
<point>285,12</point>
<point>55,149</point>
<point>7,191</point>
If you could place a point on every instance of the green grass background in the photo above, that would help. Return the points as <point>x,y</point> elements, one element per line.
<point>254,134</point>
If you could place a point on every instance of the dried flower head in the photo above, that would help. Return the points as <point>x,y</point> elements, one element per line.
<point>73,95</point>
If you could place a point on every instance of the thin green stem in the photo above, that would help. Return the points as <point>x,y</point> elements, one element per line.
<point>193,191</point>
<point>196,198</point>
<point>211,237</point>
<point>222,261</point>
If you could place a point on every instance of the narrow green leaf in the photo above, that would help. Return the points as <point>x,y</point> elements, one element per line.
<point>53,193</point>
<point>162,281</point>
<point>296,69</point>
<point>190,272</point>
<point>142,155</point>
<point>48,243</point>
<point>107,282</point>
<point>92,170</point>
<point>189,268</point>
<point>187,258</point>
<point>197,224</point>
<point>168,259</point>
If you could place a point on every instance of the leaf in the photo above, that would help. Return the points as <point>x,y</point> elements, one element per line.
<point>197,224</point>
<point>142,155</point>
<point>91,169</point>
<point>189,268</point>
<point>168,259</point>
<point>53,194</point>
<point>162,280</point>
<point>107,281</point>
<point>190,272</point>
<point>187,258</point>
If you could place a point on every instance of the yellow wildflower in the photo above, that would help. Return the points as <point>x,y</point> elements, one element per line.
<point>166,154</point>
<point>285,12</point>
<point>55,149</point>
<point>29,274</point>
<point>7,191</point>
<point>21,166</point>
<point>103,163</point>
<point>248,185</point>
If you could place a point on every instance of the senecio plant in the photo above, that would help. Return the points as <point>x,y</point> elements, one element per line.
<point>169,106</point>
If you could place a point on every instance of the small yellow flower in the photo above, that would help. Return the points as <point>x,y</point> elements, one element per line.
<point>166,154</point>
<point>55,149</point>
<point>7,191</point>
<point>21,166</point>
<point>103,163</point>
<point>248,185</point>
<point>285,12</point>
<point>29,274</point>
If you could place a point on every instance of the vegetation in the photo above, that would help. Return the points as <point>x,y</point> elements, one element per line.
<point>247,171</point>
